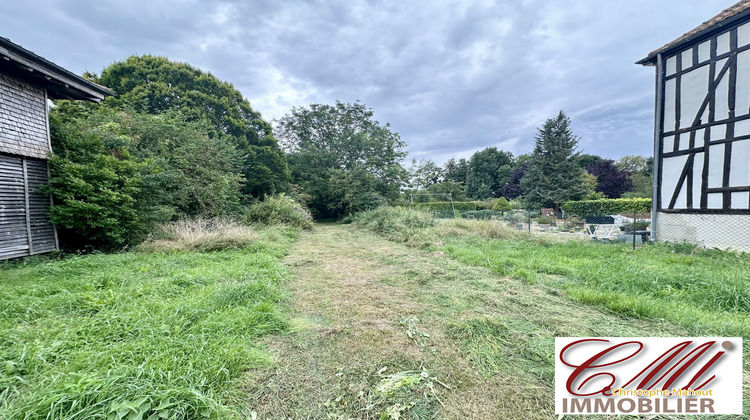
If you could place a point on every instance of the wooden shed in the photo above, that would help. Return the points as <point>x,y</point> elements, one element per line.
<point>27,81</point>
<point>702,133</point>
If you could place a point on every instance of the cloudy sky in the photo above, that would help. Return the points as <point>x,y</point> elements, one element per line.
<point>451,77</point>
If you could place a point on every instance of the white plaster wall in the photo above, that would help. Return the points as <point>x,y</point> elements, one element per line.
<point>723,231</point>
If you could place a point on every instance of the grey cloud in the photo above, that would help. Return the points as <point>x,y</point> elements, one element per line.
<point>450,77</point>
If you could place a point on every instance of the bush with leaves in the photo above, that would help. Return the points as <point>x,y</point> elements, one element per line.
<point>607,207</point>
<point>95,188</point>
<point>501,205</point>
<point>447,205</point>
<point>280,209</point>
<point>116,174</point>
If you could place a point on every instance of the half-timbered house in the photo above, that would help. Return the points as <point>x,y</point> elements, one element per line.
<point>27,81</point>
<point>702,134</point>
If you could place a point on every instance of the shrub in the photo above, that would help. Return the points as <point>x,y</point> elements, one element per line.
<point>480,214</point>
<point>199,235</point>
<point>545,220</point>
<point>445,214</point>
<point>446,205</point>
<point>608,207</point>
<point>397,223</point>
<point>280,209</point>
<point>95,189</point>
<point>501,205</point>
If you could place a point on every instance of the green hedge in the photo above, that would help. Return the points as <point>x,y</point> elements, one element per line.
<point>608,206</point>
<point>481,214</point>
<point>445,214</point>
<point>446,205</point>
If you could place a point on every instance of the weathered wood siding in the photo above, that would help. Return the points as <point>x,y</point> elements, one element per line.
<point>23,119</point>
<point>25,228</point>
<point>24,144</point>
<point>14,236</point>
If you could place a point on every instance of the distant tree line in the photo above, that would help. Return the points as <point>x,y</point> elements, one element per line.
<point>555,172</point>
<point>177,142</point>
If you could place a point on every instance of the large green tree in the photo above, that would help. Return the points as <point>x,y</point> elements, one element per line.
<point>153,85</point>
<point>488,171</point>
<point>341,157</point>
<point>456,170</point>
<point>424,173</point>
<point>554,175</point>
<point>641,172</point>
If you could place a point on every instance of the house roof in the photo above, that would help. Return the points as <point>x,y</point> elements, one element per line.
<point>733,14</point>
<point>60,83</point>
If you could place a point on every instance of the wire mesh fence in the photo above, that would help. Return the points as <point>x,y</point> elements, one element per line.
<point>706,230</point>
<point>630,228</point>
<point>713,230</point>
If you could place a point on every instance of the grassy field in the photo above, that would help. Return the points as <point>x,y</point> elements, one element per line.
<point>397,316</point>
<point>705,291</point>
<point>139,335</point>
<point>688,291</point>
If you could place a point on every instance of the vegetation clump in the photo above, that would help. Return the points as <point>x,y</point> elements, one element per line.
<point>199,234</point>
<point>280,209</point>
<point>401,224</point>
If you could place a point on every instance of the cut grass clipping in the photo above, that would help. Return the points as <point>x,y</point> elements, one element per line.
<point>138,335</point>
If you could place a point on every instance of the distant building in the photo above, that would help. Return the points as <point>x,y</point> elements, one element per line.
<point>702,134</point>
<point>26,82</point>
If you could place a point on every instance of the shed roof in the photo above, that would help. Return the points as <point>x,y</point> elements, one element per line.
<point>60,83</point>
<point>733,14</point>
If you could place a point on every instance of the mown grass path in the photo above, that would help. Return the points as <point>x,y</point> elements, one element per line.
<point>382,329</point>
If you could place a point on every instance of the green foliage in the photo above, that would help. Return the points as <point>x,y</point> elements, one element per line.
<point>342,158</point>
<point>155,85</point>
<point>607,207</point>
<point>585,160</point>
<point>545,220</point>
<point>703,291</point>
<point>480,214</point>
<point>456,171</point>
<point>554,176</point>
<point>115,173</point>
<point>641,174</point>
<point>501,205</point>
<point>95,188</point>
<point>488,171</point>
<point>139,336</point>
<point>397,223</point>
<point>456,190</point>
<point>424,173</point>
<point>446,205</point>
<point>280,209</point>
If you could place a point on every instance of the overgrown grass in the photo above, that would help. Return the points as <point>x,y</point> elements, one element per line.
<point>138,335</point>
<point>706,291</point>
<point>400,224</point>
<point>199,234</point>
<point>280,209</point>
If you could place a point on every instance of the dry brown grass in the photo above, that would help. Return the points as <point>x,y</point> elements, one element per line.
<point>199,235</point>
